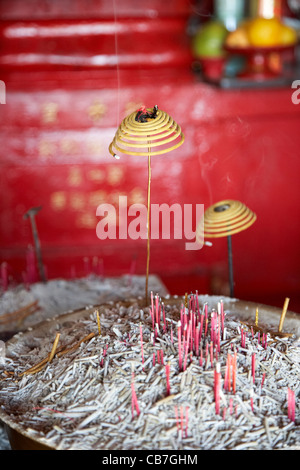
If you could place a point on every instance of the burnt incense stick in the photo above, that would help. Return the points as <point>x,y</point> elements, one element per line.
<point>98,322</point>
<point>31,213</point>
<point>283,314</point>
<point>52,353</point>
<point>20,314</point>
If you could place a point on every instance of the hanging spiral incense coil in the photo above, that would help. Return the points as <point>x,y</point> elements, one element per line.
<point>225,218</point>
<point>155,134</point>
<point>155,137</point>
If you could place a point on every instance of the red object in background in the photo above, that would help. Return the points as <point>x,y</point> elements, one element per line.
<point>62,112</point>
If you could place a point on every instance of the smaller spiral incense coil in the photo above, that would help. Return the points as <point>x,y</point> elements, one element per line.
<point>156,134</point>
<point>223,219</point>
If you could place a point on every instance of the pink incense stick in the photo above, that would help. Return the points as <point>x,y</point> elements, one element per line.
<point>157,310</point>
<point>181,420</point>
<point>186,420</point>
<point>164,317</point>
<point>181,314</point>
<point>253,366</point>
<point>179,344</point>
<point>197,301</point>
<point>216,353</point>
<point>230,406</point>
<point>156,330</point>
<point>227,373</point>
<point>162,356</point>
<point>187,346</point>
<point>197,340</point>
<point>222,314</point>
<point>184,337</point>
<point>152,311</point>
<point>201,324</point>
<point>211,353</point>
<point>206,353</point>
<point>266,341</point>
<point>168,378</point>
<point>134,401</point>
<point>263,379</point>
<point>212,326</point>
<point>206,319</point>
<point>291,404</point>
<point>242,337</point>
<point>158,357</point>
<point>219,334</point>
<point>234,364</point>
<point>217,387</point>
<point>152,317</point>
<point>251,399</point>
<point>191,334</point>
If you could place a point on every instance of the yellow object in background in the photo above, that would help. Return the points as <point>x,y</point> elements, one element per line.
<point>238,38</point>
<point>288,35</point>
<point>264,32</point>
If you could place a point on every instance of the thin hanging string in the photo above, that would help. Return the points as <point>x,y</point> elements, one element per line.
<point>117,63</point>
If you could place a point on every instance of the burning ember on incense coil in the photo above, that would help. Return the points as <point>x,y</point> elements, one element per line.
<point>223,219</point>
<point>158,135</point>
<point>147,132</point>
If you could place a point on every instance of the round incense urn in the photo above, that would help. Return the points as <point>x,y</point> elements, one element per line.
<point>22,435</point>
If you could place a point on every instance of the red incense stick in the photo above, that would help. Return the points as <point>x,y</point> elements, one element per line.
<point>291,404</point>
<point>179,344</point>
<point>217,388</point>
<point>168,378</point>
<point>253,366</point>
<point>134,401</point>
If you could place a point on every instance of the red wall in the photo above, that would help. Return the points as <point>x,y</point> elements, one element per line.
<point>62,111</point>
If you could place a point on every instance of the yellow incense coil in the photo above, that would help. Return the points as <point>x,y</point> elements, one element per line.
<point>155,137</point>
<point>225,218</point>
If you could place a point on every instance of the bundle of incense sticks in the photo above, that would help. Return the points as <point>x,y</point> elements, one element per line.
<point>193,330</point>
